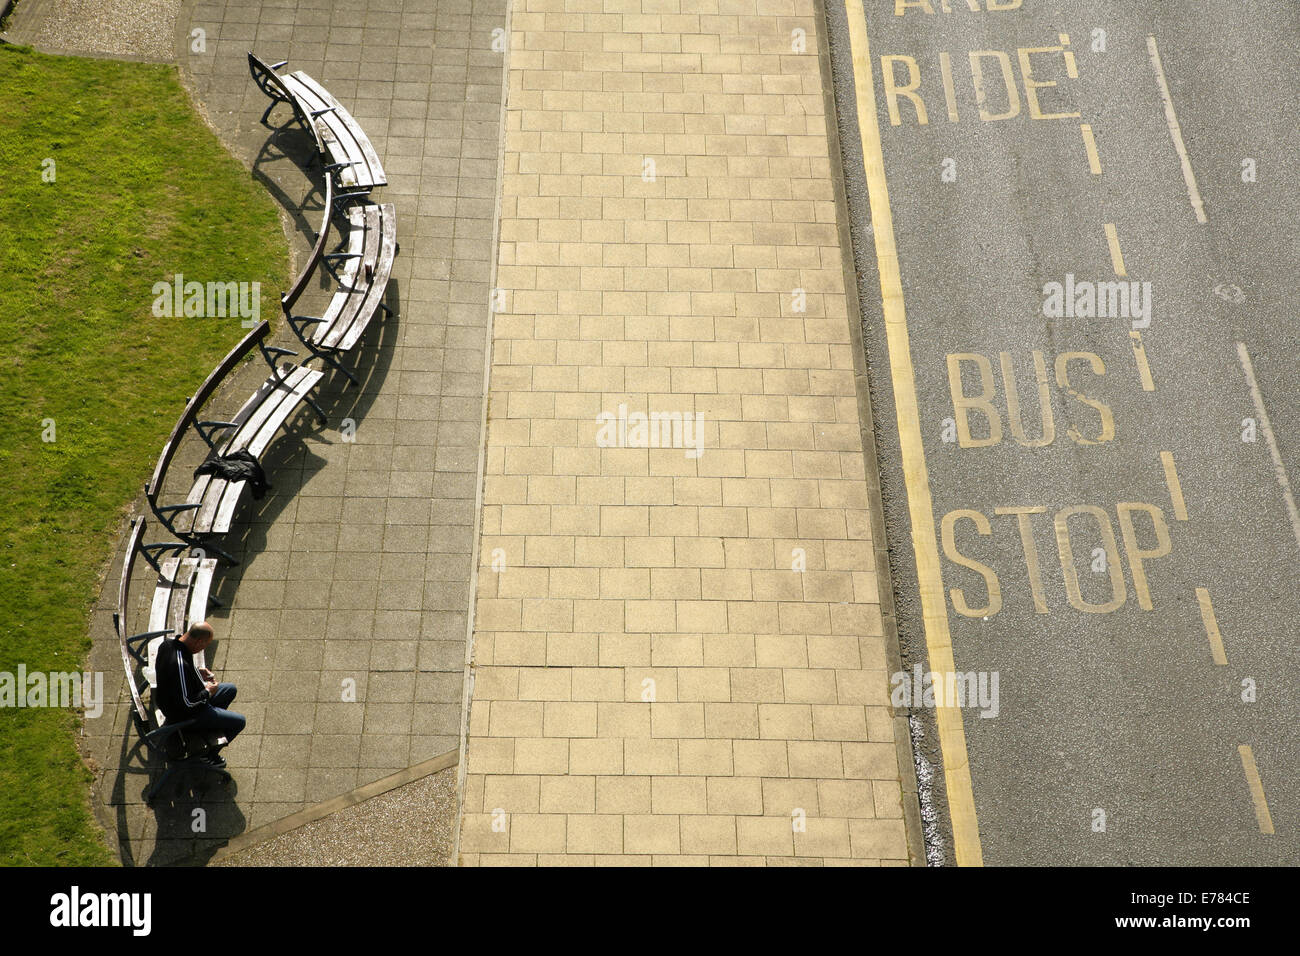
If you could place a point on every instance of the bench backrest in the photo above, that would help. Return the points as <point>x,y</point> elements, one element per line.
<point>317,250</point>
<point>272,84</point>
<point>119,618</point>
<point>236,355</point>
<point>128,567</point>
<point>267,79</point>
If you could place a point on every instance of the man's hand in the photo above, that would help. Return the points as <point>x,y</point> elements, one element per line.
<point>207,674</point>
<point>210,687</point>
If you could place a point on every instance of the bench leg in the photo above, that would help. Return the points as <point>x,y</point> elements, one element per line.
<point>334,362</point>
<point>208,547</point>
<point>311,402</point>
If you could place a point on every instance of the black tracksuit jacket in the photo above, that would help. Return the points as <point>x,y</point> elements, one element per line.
<point>180,694</point>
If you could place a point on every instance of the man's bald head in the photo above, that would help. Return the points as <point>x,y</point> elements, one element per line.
<point>198,636</point>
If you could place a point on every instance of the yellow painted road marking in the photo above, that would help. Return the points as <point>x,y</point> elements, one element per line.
<point>1090,144</point>
<point>1211,626</point>
<point>1176,131</point>
<point>1116,256</point>
<point>1175,486</point>
<point>1278,468</point>
<point>1144,370</point>
<point>949,91</point>
<point>952,735</point>
<point>1256,790</point>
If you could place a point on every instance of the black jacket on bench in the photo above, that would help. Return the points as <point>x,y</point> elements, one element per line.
<point>239,465</point>
<point>180,692</point>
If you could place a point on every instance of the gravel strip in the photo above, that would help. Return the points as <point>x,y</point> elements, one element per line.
<point>117,27</point>
<point>408,826</point>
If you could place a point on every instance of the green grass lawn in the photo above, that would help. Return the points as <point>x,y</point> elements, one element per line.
<point>141,190</point>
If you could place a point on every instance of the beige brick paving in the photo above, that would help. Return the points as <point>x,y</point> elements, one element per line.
<point>655,682</point>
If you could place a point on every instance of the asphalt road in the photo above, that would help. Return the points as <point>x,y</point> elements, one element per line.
<point>1120,724</point>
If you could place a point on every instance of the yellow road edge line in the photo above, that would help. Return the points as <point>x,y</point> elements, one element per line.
<point>1256,789</point>
<point>1176,131</point>
<point>952,734</point>
<point>1279,469</point>
<point>1144,370</point>
<point>1090,144</point>
<point>1175,486</point>
<point>1211,627</point>
<point>1116,256</point>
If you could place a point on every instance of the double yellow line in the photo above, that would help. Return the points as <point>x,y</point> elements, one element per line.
<point>934,607</point>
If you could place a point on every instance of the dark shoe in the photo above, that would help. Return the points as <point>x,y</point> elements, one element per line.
<point>215,760</point>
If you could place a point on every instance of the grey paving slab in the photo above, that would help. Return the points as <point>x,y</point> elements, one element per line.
<point>344,625</point>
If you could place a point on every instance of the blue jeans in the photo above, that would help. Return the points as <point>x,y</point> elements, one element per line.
<point>216,718</point>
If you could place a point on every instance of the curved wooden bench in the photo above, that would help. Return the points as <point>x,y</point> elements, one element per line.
<point>362,269</point>
<point>181,596</point>
<point>345,141</point>
<point>211,499</point>
<point>338,135</point>
<point>211,502</point>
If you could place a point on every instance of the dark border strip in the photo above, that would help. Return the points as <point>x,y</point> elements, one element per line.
<point>875,503</point>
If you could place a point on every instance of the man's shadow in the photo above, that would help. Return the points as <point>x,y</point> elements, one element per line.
<point>195,811</point>
<point>196,814</point>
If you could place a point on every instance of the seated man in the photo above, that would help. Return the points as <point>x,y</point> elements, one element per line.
<point>185,691</point>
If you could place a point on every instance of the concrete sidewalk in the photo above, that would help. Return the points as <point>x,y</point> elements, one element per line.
<point>678,651</point>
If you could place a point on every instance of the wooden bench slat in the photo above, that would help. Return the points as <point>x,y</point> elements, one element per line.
<point>165,598</point>
<point>170,610</point>
<point>383,269</point>
<point>350,312</point>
